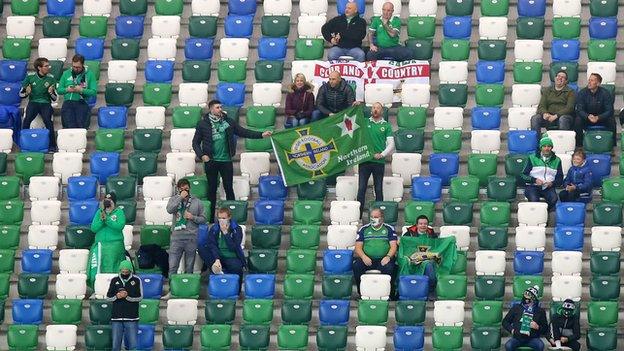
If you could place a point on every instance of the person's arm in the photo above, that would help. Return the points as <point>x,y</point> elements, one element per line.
<point>508,321</point>
<point>543,104</point>
<point>212,243</point>
<point>136,294</point>
<point>119,222</point>
<point>90,88</point>
<point>526,174</point>
<point>554,329</point>
<point>200,216</point>
<point>607,106</point>
<point>244,132</point>
<point>350,95</point>
<point>328,28</point>
<point>393,249</point>
<point>576,328</point>
<point>62,85</point>
<point>568,179</point>
<point>359,244</point>
<point>559,176</point>
<point>581,108</point>
<point>97,223</point>
<point>372,31</point>
<point>360,28</point>
<point>173,204</point>
<point>543,324</point>
<point>586,184</point>
<point>289,110</point>
<point>112,291</point>
<point>308,108</point>
<point>197,141</point>
<point>389,142</point>
<point>568,109</point>
<point>393,27</point>
<point>320,100</point>
<point>25,83</point>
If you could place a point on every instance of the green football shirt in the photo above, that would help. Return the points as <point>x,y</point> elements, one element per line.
<point>385,40</point>
<point>376,240</point>
<point>39,87</point>
<point>379,133</point>
<point>219,141</point>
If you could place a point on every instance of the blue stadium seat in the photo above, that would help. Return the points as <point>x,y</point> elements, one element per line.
<point>409,338</point>
<point>34,140</point>
<point>531,8</point>
<point>486,118</point>
<point>198,48</point>
<point>272,188</point>
<point>104,165</point>
<point>82,188</point>
<point>82,212</point>
<point>337,261</point>
<point>334,312</point>
<point>568,238</point>
<point>223,286</point>
<point>522,141</point>
<point>241,7</point>
<point>145,340</point>
<point>426,188</point>
<point>27,311</point>
<point>157,71</point>
<point>238,26</point>
<point>457,27</point>
<point>129,26</point>
<point>600,165</point>
<point>110,117</point>
<point>565,50</point>
<point>269,212</point>
<point>490,72</point>
<point>603,27</point>
<point>445,166</point>
<point>342,4</point>
<point>37,261</point>
<point>231,94</point>
<point>529,262</point>
<point>152,285</point>
<point>570,214</point>
<point>272,48</point>
<point>9,93</point>
<point>90,48</point>
<point>13,71</point>
<point>259,286</point>
<point>413,287</point>
<point>61,7</point>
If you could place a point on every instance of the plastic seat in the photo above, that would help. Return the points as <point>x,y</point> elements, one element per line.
<point>269,71</point>
<point>79,237</point>
<point>90,48</point>
<point>10,235</point>
<point>165,26</point>
<point>448,118</point>
<point>605,238</point>
<point>259,286</point>
<point>12,212</point>
<point>457,213</point>
<point>16,48</point>
<point>56,27</point>
<point>262,261</point>
<point>530,238</point>
<point>493,28</point>
<point>601,50</point>
<point>109,140</point>
<point>453,49</point>
<point>490,262</point>
<point>46,212</point>
<point>527,72</point>
<point>421,27</point>
<point>185,286</point>
<point>27,311</point>
<point>605,69</point>
<point>150,140</point>
<point>337,261</point>
<point>446,141</point>
<point>409,338</point>
<point>490,72</point>
<point>568,238</point>
<point>178,337</point>
<point>272,48</point>
<point>253,337</point>
<point>220,311</point>
<point>346,188</point>
<point>234,49</point>
<point>485,338</point>
<point>489,287</point>
<point>447,338</point>
<point>444,166</point>
<point>300,261</point>
<point>71,286</point>
<point>413,287</point>
<point>372,312</point>
<point>600,165</point>
<point>569,287</point>
<point>269,212</point>
<point>337,286</point>
<point>12,71</point>
<point>198,48</point>
<point>522,141</point>
<point>601,339</point>
<point>465,188</point>
<point>61,8</point>
<point>453,95</point>
<point>161,49</point>
<point>344,212</point>
<point>375,287</point>
<point>272,188</point>
<point>565,50</point>
<point>457,27</point>
<point>566,27</point>
<point>312,190</point>
<point>112,117</point>
<point>93,26</point>
<point>238,26</point>
<point>129,26</point>
<point>448,313</point>
<point>231,94</point>
<point>104,165</point>
<point>73,261</point>
<point>487,313</point>
<point>334,312</point>
<point>567,262</point>
<point>410,312</point>
<point>406,165</point>
<point>157,188</point>
<point>180,164</point>
<point>43,237</point>
<point>202,26</point>
<point>10,188</point>
<point>9,94</point>
<point>20,26</point>
<point>523,282</point>
<point>157,94</point>
<point>182,311</point>
<point>308,212</point>
<point>482,166</point>
<point>216,337</point>
<point>602,313</point>
<point>520,117</point>
<point>490,95</point>
<point>369,337</point>
<point>192,94</point>
<point>299,286</point>
<point>159,71</point>
<point>529,262</point>
<point>297,312</point>
<point>570,213</point>
<point>409,141</point>
<point>413,209</point>
<point>602,28</point>
<point>37,261</point>
<point>61,337</point>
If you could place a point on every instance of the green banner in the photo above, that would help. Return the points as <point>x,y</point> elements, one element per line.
<point>323,148</point>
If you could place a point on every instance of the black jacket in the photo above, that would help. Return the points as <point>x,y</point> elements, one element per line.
<point>202,140</point>
<point>599,104</point>
<point>126,309</point>
<point>351,34</point>
<point>559,322</point>
<point>332,100</point>
<point>512,322</point>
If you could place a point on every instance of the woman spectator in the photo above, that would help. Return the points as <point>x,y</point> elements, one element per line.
<point>299,102</point>
<point>578,183</point>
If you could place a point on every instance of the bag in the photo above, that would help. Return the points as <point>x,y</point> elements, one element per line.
<point>144,259</point>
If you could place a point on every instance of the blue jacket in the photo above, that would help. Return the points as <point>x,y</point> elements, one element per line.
<point>233,241</point>
<point>599,103</point>
<point>581,177</point>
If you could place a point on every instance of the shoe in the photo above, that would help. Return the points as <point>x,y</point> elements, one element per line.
<point>166,297</point>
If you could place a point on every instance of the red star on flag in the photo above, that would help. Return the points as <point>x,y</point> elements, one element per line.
<point>348,125</point>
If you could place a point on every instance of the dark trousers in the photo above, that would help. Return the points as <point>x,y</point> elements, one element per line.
<point>570,196</point>
<point>233,266</point>
<point>535,193</point>
<point>581,124</point>
<point>74,114</point>
<point>45,110</point>
<point>360,268</point>
<point>365,170</point>
<point>292,121</point>
<point>213,169</point>
<point>317,115</point>
<point>397,53</point>
<point>534,343</point>
<point>430,272</point>
<point>565,122</point>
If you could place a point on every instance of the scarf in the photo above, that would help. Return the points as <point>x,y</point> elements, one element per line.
<point>526,319</point>
<point>180,220</point>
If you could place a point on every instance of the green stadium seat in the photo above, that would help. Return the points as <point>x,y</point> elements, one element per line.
<point>275,26</point>
<point>147,140</point>
<point>492,50</point>
<point>16,48</point>
<point>389,208</point>
<point>451,287</point>
<point>487,313</point>
<point>305,237</point>
<point>29,164</point>
<point>489,287</point>
<point>613,189</point>
<point>337,287</point>
<point>605,288</point>
<point>490,95</point>
<point>269,71</point>
<point>202,26</point>
<point>421,27</point>
<point>10,235</point>
<point>372,312</point>
<point>422,48</point>
<point>199,186</point>
<point>523,282</point>
<point>447,338</point>
<point>601,50</point>
<point>312,190</point>
<point>157,94</point>
<point>120,94</point>
<point>232,71</point>
<point>485,338</point>
<point>5,282</point>
<point>258,311</point>
<point>130,208</point>
<point>527,72</point>
<point>260,116</point>
<point>601,339</point>
<point>169,7</point>
<point>457,213</point>
<point>464,188</point>
<point>266,237</point>
<point>79,237</point>
<point>66,311</point>
<point>11,212</point>
<point>447,141</point>
<point>495,214</point>
<point>125,49</point>
<point>515,164</point>
<point>331,338</point>
<point>56,27</point>
<point>254,337</point>
<point>3,163</point>
<point>301,261</point>
<point>220,311</point>
<point>598,141</point>
<point>23,337</point>
<point>238,208</point>
<point>413,209</point>
<point>602,313</point>
<point>408,312</point>
<point>93,66</point>
<point>501,188</point>
<point>186,116</point>
<point>185,286</point>
<point>308,212</point>
<point>133,7</point>
<point>571,68</point>
<point>299,286</point>
<point>459,8</point>
<point>110,140</point>
<point>149,310</point>
<point>461,263</point>
<point>93,26</point>
<point>259,145</point>
<point>98,337</point>
<point>24,7</point>
<point>292,337</point>
<point>407,140</point>
<point>195,71</point>
<point>482,166</point>
<point>455,49</point>
<point>495,8</point>
<point>57,67</point>
<point>179,337</point>
<point>566,27</point>
<point>455,95</point>
<point>142,164</point>
<point>603,8</point>
<point>530,28</point>
<point>2,306</point>
<point>309,49</point>
<point>10,188</point>
<point>296,312</point>
<point>608,214</point>
<point>411,117</point>
<point>262,261</point>
<point>216,337</point>
<point>233,112</point>
<point>100,311</point>
<point>604,263</point>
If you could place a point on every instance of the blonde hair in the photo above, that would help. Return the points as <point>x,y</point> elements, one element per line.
<point>306,84</point>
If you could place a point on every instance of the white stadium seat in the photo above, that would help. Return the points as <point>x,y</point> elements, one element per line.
<point>346,188</point>
<point>406,166</point>
<point>605,238</point>
<point>66,164</point>
<point>180,164</point>
<point>102,282</point>
<point>370,338</point>
<point>532,213</point>
<point>128,234</point>
<point>461,234</point>
<point>46,212</point>
<point>341,236</point>
<point>156,213</point>
<point>567,262</point>
<point>605,69</point>
<point>375,287</point>
<point>182,311</point>
<point>485,141</point>
<point>313,7</point>
<point>205,7</point>
<point>254,165</point>
<point>566,287</point>
<point>344,212</point>
<point>519,118</point>
<point>526,95</point>
<point>415,95</point>
<point>73,260</point>
<point>277,7</point>
<point>528,50</point>
<point>150,117</point>
<point>52,48</point>
<point>165,27</point>
<point>305,67</point>
<point>448,117</point>
<point>157,188</point>
<point>566,162</point>
<point>20,26</point>
<point>122,71</point>
<point>61,337</point>
<point>6,140</point>
<point>490,262</point>
<point>182,139</point>
<point>234,49</point>
<point>97,7</point>
<point>493,28</point>
<point>566,8</point>
<point>193,94</point>
<point>43,188</point>
<point>43,236</point>
<point>423,8</point>
<point>267,94</point>
<point>379,92</point>
<point>378,5</point>
<point>71,286</point>
<point>161,49</point>
<point>448,313</point>
<point>393,189</point>
<point>530,238</point>
<point>564,141</point>
<point>71,140</point>
<point>453,72</point>
<point>310,26</point>
<point>242,188</point>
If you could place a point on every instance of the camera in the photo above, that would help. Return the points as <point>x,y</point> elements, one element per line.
<point>107,203</point>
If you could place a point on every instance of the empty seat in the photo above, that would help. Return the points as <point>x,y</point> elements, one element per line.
<point>234,49</point>
<point>182,311</point>
<point>122,71</point>
<point>528,50</point>
<point>413,287</point>
<point>61,337</point>
<point>567,262</point>
<point>605,69</point>
<point>344,212</point>
<point>568,238</point>
<point>73,261</point>
<point>82,212</point>
<point>532,213</point>
<point>156,213</point>
<point>529,262</point>
<point>103,165</point>
<point>448,117</point>
<point>530,238</point>
<point>165,26</point>
<point>485,141</point>
<point>27,311</point>
<point>267,94</point>
<point>445,166</point>
<point>20,26</point>
<point>493,28</point>
<point>341,236</point>
<point>525,95</point>
<point>337,261</point>
<point>490,262</point>
<point>415,95</point>
<point>102,282</point>
<point>205,8</point>
<point>43,236</point>
<point>566,287</point>
<point>223,286</point>
<point>193,94</point>
<point>457,27</point>
<point>259,286</point>
<point>603,27</point>
<point>370,338</point>
<point>180,164</point>
<point>161,49</point>
<point>72,140</point>
<point>570,213</point>
<point>37,261</point>
<point>448,313</point>
<point>406,166</point>
<point>71,286</point>
<point>346,188</point>
<point>334,312</point>
<point>181,139</point>
<point>375,286</point>
<point>157,188</point>
<point>46,212</point>
<point>606,238</point>
<point>43,188</point>
<point>159,71</point>
<point>453,72</point>
<point>53,48</point>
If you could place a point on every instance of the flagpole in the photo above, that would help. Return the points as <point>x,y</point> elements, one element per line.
<point>279,164</point>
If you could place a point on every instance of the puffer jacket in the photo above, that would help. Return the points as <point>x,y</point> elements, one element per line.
<point>332,100</point>
<point>581,177</point>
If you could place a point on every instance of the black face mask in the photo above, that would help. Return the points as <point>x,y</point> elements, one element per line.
<point>125,276</point>
<point>527,301</point>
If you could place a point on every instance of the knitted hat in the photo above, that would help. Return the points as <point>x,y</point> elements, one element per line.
<point>534,291</point>
<point>125,264</point>
<point>111,196</point>
<point>545,141</point>
<point>568,305</point>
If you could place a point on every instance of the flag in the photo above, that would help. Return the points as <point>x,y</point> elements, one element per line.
<point>323,148</point>
<point>445,247</point>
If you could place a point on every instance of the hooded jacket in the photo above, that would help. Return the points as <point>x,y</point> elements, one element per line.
<point>300,101</point>
<point>202,140</point>
<point>511,322</point>
<point>351,32</point>
<point>548,170</point>
<point>194,206</point>
<point>581,177</point>
<point>233,241</point>
<point>127,309</point>
<point>332,100</point>
<point>561,325</point>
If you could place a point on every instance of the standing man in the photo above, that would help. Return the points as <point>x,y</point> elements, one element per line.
<point>542,174</point>
<point>380,133</point>
<point>76,85</point>
<point>345,34</point>
<point>556,108</point>
<point>188,213</point>
<point>214,143</point>
<point>383,35</point>
<point>594,107</point>
<point>125,292</point>
<point>39,87</point>
<point>333,97</point>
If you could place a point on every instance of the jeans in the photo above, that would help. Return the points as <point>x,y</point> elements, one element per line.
<point>360,268</point>
<point>45,110</point>
<point>397,53</point>
<point>534,343</point>
<point>364,172</point>
<point>565,122</point>
<point>292,122</point>
<point>126,331</point>
<point>317,115</point>
<point>581,124</point>
<point>213,169</point>
<point>182,243</point>
<point>335,52</point>
<point>430,272</point>
<point>74,114</point>
<point>534,193</point>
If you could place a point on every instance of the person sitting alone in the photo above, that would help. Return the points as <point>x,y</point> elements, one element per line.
<point>383,34</point>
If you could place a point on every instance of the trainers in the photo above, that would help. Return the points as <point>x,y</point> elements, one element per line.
<point>166,297</point>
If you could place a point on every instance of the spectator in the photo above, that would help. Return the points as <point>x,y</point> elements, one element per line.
<point>565,327</point>
<point>188,213</point>
<point>375,248</point>
<point>299,102</point>
<point>333,97</point>
<point>526,322</point>
<point>108,250</point>
<point>223,252</point>
<point>578,183</point>
<point>214,143</point>
<point>345,34</point>
<point>76,85</point>
<point>542,174</point>
<point>380,134</point>
<point>383,35</point>
<point>594,108</point>
<point>556,108</point>
<point>40,90</point>
<point>125,291</point>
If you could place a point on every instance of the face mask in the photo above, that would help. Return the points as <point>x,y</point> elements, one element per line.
<point>224,222</point>
<point>375,221</point>
<point>125,276</point>
<point>527,301</point>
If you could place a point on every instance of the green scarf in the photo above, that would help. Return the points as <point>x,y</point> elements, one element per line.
<point>526,319</point>
<point>181,221</point>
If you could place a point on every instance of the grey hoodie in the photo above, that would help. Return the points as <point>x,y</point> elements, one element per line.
<point>195,207</point>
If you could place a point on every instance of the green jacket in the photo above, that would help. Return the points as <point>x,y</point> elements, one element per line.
<point>557,102</point>
<point>110,229</point>
<point>86,79</point>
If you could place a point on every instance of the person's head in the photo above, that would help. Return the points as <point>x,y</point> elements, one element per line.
<point>422,224</point>
<point>125,269</point>
<point>351,9</point>
<point>334,79</point>
<point>377,111</point>
<point>387,10</point>
<point>42,66</point>
<point>215,108</point>
<point>376,217</point>
<point>530,295</point>
<point>110,200</point>
<point>578,157</point>
<point>300,82</point>
<point>593,82</point>
<point>567,308</point>
<point>546,145</point>
<point>78,63</point>
<point>224,215</point>
<point>561,79</point>
<point>184,185</point>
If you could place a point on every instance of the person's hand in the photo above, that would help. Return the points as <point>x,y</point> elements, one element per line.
<point>546,116</point>
<point>552,342</point>
<point>367,261</point>
<point>28,90</point>
<point>51,89</point>
<point>564,339</point>
<point>385,260</point>
<point>373,48</point>
<point>571,187</point>
<point>355,103</point>
<point>217,263</point>
<point>103,215</point>
<point>534,325</point>
<point>122,294</point>
<point>331,113</point>
<point>267,134</point>
<point>71,89</point>
<point>184,194</point>
<point>553,117</point>
<point>188,215</point>
<point>539,181</point>
<point>378,156</point>
<point>205,158</point>
<point>78,89</point>
<point>593,118</point>
<point>548,184</point>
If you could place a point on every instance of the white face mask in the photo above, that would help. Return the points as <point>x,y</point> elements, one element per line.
<point>224,222</point>
<point>375,221</point>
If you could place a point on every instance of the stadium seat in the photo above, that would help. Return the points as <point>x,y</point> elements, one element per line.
<point>334,312</point>
<point>493,28</point>
<point>20,26</point>
<point>530,238</point>
<point>202,26</point>
<point>259,286</point>
<point>370,337</point>
<point>406,166</point>
<point>494,8</point>
<point>12,212</point>
<point>112,117</point>
<point>269,212</point>
<point>231,94</point>
<point>10,237</point>
<point>104,165</point>
<point>220,311</point>
<point>409,141</point>
<point>527,72</point>
<point>262,261</point>
<point>165,26</point>
<point>53,48</point>
<point>487,313</point>
<point>490,95</point>
<point>337,261</point>
<point>602,28</point>
<point>413,287</point>
<point>520,117</point>
<point>156,213</point>
<point>570,214</point>
<point>9,94</point>
<point>409,338</point>
<point>565,50</point>
<point>16,48</point>
<point>444,166</point>
<point>71,286</point>
<point>157,94</point>
<point>341,4</point>
<point>448,313</point>
<point>598,141</point>
<point>178,337</point>
<point>297,312</point>
<point>602,313</point>
<point>90,48</point>
<point>528,50</point>
<point>606,238</point>
<point>253,337</point>
<point>566,27</point>
<point>523,282</point>
<point>150,140</point>
<point>340,237</point>
<point>421,27</point>
<point>157,188</point>
<point>73,261</point>
<point>272,188</point>
<point>180,164</point>
<point>465,188</point>
<point>413,209</point>
<point>446,141</point>
<point>344,212</point>
<point>198,48</point>
<point>299,286</point>
<point>27,311</point>
<point>234,49</point>
<point>453,95</point>
<point>272,48</point>
<point>454,49</point>
<point>23,337</point>
<point>410,312</point>
<point>600,165</point>
<point>93,26</point>
<point>568,238</point>
<point>12,71</point>
<point>43,236</point>
<point>46,212</point>
<point>567,262</point>
<point>169,7</point>
<point>522,141</point>
<point>489,287</point>
<point>79,237</point>
<point>61,337</point>
<point>267,71</point>
<point>372,312</point>
<point>185,286</point>
<point>109,140</point>
<point>490,262</point>
<point>453,72</point>
<point>216,336</point>
<point>61,8</point>
<point>312,190</point>
<point>300,261</point>
<point>529,262</point>
<point>238,26</point>
<point>305,237</point>
<point>601,50</point>
<point>482,166</point>
<point>375,287</point>
<point>486,118</point>
<point>457,27</point>
<point>601,339</point>
<point>451,287</point>
<point>531,8</point>
<point>569,287</point>
<point>448,117</point>
<point>159,71</point>
<point>129,26</point>
<point>37,261</point>
<point>182,311</point>
<point>10,188</point>
<point>161,49</point>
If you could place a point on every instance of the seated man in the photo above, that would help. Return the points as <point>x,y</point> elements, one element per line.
<point>333,97</point>
<point>556,107</point>
<point>565,327</point>
<point>594,108</point>
<point>345,34</point>
<point>384,35</point>
<point>578,183</point>
<point>542,174</point>
<point>526,322</point>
